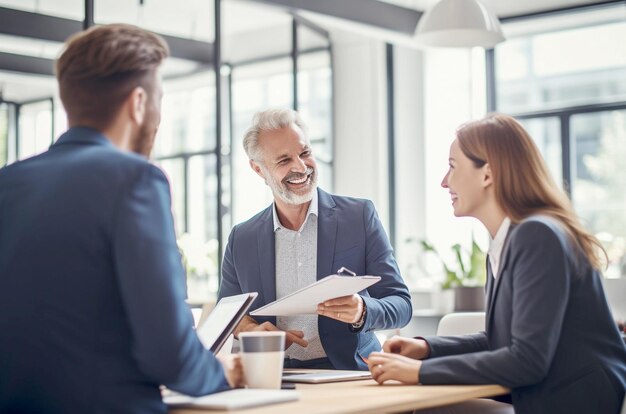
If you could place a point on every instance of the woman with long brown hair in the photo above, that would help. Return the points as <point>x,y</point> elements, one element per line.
<point>549,334</point>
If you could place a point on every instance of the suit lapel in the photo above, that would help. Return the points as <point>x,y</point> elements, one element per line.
<point>267,255</point>
<point>496,282</point>
<point>326,234</point>
<point>489,291</point>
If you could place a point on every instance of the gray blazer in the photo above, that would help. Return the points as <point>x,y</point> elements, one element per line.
<point>350,234</point>
<point>549,333</point>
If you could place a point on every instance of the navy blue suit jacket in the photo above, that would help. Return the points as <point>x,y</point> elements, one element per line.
<point>549,333</point>
<point>349,234</point>
<point>92,290</point>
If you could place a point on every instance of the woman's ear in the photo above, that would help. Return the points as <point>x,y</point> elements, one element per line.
<point>487,177</point>
<point>138,101</point>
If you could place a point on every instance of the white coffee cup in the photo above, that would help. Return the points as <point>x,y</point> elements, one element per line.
<point>262,355</point>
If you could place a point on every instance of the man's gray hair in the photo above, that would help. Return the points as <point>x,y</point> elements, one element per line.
<point>269,120</point>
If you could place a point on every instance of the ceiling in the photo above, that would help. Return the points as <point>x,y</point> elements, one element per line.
<point>188,17</point>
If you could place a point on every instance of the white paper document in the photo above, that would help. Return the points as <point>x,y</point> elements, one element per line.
<point>232,399</point>
<point>305,300</point>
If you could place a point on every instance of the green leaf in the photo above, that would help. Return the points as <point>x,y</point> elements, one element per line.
<point>457,252</point>
<point>478,260</point>
<point>427,247</point>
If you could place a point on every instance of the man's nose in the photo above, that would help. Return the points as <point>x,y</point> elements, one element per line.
<point>299,166</point>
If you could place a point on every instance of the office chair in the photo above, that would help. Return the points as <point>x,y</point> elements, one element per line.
<point>460,323</point>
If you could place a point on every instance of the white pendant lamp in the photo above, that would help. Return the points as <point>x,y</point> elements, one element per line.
<point>458,23</point>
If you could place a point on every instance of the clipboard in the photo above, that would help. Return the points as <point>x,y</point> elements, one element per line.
<point>223,320</point>
<point>304,301</point>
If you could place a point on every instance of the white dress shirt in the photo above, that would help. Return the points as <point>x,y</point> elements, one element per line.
<point>496,246</point>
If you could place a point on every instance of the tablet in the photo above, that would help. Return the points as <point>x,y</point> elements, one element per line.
<point>223,320</point>
<point>322,377</point>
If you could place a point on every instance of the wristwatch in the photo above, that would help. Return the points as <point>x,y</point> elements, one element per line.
<point>360,322</point>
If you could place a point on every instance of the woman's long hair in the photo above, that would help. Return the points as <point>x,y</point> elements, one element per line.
<point>522,184</point>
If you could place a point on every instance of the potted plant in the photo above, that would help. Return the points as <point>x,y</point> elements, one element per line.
<point>466,277</point>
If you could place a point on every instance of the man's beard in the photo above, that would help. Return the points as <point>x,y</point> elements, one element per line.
<point>282,191</point>
<point>144,140</point>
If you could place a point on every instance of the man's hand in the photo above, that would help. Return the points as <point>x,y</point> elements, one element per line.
<point>346,309</point>
<point>408,347</point>
<point>232,369</point>
<point>291,337</point>
<point>385,367</point>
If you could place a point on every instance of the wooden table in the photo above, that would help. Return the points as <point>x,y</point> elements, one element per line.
<point>367,396</point>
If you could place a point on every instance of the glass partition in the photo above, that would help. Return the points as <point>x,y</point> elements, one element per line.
<point>185,147</point>
<point>189,19</point>
<point>568,87</point>
<point>582,60</point>
<point>36,129</point>
<point>255,87</point>
<point>598,180</point>
<point>315,106</point>
<point>546,132</point>
<point>69,9</point>
<point>4,134</point>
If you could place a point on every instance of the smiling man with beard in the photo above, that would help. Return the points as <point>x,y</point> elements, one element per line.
<point>305,235</point>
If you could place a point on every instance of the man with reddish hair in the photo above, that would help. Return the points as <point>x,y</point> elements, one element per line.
<point>92,288</point>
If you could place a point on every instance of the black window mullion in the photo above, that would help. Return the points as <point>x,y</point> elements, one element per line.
<point>566,152</point>
<point>16,117</point>
<point>294,59</point>
<point>51,121</point>
<point>490,69</point>
<point>89,14</point>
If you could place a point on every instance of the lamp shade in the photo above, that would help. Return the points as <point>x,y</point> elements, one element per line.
<point>459,23</point>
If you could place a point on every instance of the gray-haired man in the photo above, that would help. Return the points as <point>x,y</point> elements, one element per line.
<point>305,235</point>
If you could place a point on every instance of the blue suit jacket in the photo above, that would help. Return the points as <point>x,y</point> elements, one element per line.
<point>92,288</point>
<point>349,234</point>
<point>549,333</point>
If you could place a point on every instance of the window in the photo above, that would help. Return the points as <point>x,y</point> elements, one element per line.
<point>255,87</point>
<point>36,128</point>
<point>189,19</point>
<point>568,87</point>
<point>315,106</point>
<point>266,83</point>
<point>185,148</point>
<point>580,61</point>
<point>598,180</point>
<point>453,93</point>
<point>4,133</point>
<point>546,132</point>
<point>256,42</point>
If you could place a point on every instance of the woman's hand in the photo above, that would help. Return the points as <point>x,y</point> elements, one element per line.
<point>385,367</point>
<point>408,347</point>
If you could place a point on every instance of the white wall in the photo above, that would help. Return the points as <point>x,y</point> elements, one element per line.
<point>435,91</point>
<point>410,157</point>
<point>360,159</point>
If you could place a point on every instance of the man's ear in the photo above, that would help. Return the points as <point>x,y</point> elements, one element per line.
<point>137,102</point>
<point>257,169</point>
<point>487,177</point>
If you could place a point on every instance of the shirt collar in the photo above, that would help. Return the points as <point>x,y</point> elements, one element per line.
<point>497,243</point>
<point>313,209</point>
